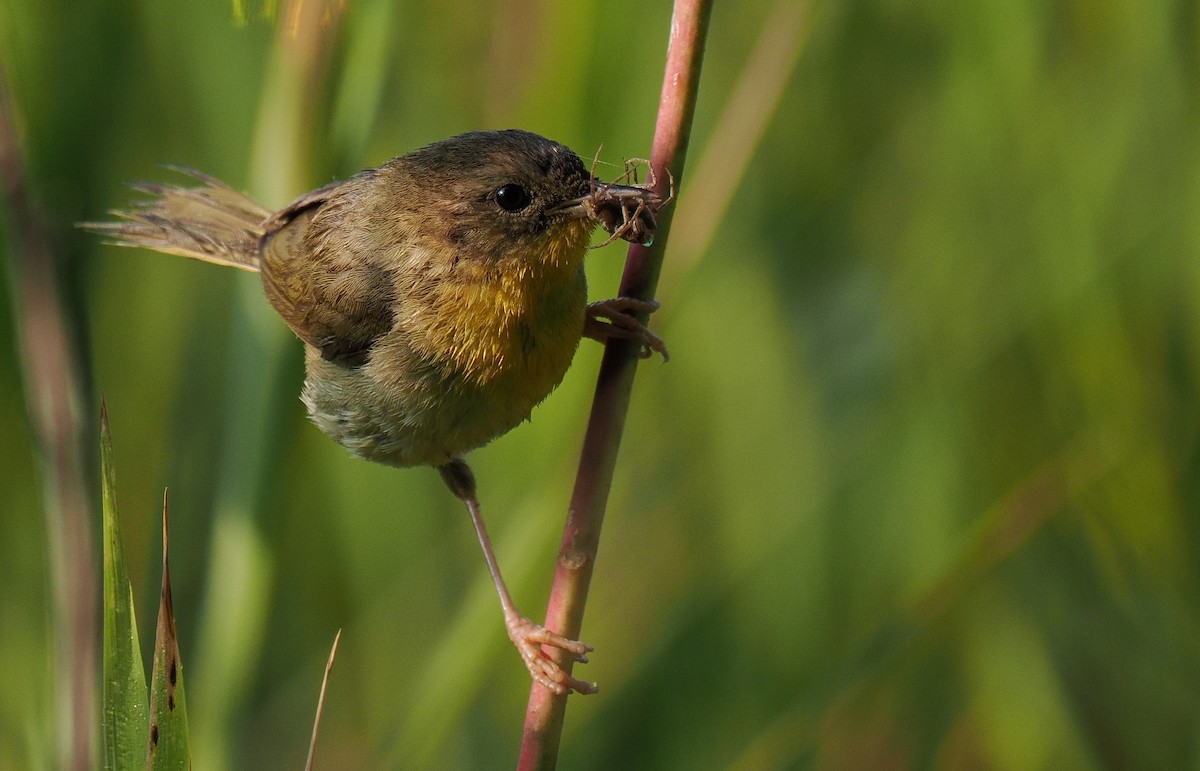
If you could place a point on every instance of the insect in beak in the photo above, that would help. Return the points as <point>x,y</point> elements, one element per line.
<point>624,211</point>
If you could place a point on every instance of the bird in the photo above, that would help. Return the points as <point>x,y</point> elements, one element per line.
<point>439,296</point>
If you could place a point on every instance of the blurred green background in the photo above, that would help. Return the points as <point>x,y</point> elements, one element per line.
<point>920,486</point>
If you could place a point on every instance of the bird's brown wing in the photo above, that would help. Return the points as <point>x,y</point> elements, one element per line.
<point>333,297</point>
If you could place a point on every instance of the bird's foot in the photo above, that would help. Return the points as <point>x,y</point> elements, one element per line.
<point>617,318</point>
<point>529,639</point>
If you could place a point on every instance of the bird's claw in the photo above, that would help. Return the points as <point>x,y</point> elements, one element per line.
<point>529,639</point>
<point>617,318</point>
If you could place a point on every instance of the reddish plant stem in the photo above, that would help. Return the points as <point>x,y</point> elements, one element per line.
<point>53,383</point>
<point>581,535</point>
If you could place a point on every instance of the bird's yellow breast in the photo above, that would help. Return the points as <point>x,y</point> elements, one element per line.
<point>519,317</point>
<point>468,361</point>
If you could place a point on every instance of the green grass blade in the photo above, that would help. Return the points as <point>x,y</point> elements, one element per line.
<point>169,747</point>
<point>125,710</point>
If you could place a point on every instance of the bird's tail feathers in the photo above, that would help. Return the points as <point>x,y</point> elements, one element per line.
<point>210,222</point>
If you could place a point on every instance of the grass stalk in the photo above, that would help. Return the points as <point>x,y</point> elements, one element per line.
<point>54,401</point>
<point>581,535</point>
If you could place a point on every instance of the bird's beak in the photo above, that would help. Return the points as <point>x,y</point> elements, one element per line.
<point>625,211</point>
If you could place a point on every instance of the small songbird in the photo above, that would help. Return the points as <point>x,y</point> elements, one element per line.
<point>440,297</point>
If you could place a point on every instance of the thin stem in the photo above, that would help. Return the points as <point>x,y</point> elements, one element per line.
<point>581,535</point>
<point>312,743</point>
<point>54,390</point>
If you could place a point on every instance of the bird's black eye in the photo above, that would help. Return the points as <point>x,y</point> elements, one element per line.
<point>512,197</point>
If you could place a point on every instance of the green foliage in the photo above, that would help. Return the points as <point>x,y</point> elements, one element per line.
<point>126,713</point>
<point>133,730</point>
<point>918,487</point>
